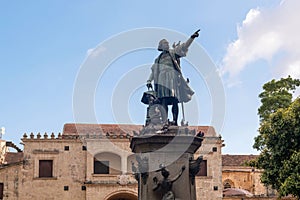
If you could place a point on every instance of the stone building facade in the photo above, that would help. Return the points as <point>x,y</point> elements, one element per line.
<point>93,161</point>
<point>237,175</point>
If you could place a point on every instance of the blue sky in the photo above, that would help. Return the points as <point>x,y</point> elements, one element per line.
<point>43,45</point>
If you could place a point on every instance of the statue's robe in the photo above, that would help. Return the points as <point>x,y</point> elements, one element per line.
<point>167,76</point>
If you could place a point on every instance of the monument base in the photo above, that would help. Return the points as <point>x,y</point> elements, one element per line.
<point>166,167</point>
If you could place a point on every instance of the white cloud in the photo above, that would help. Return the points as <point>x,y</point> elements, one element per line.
<point>252,14</point>
<point>264,34</point>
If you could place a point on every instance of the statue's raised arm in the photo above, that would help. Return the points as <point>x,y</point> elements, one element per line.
<point>181,49</point>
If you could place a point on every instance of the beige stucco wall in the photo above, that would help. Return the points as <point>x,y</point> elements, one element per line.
<point>69,169</point>
<point>246,178</point>
<point>11,177</point>
<point>205,186</point>
<point>105,191</point>
<point>3,150</point>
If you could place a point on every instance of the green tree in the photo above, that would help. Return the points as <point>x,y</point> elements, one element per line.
<point>276,94</point>
<point>279,137</point>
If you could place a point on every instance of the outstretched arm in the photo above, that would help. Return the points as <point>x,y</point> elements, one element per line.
<point>191,39</point>
<point>178,176</point>
<point>182,49</point>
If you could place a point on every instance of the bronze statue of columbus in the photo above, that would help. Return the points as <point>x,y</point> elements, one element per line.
<point>169,85</point>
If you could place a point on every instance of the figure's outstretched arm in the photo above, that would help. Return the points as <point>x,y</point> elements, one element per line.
<point>191,39</point>
<point>178,175</point>
<point>182,49</point>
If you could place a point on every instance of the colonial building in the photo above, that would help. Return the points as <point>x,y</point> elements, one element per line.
<point>92,161</point>
<point>241,180</point>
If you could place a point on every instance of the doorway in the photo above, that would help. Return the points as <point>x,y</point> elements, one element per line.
<point>123,196</point>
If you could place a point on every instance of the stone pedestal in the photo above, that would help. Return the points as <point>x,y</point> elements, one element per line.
<point>165,165</point>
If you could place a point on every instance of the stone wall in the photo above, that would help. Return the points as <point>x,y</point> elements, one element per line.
<point>246,178</point>
<point>11,177</point>
<point>3,150</point>
<point>69,169</point>
<point>107,191</point>
<point>210,187</point>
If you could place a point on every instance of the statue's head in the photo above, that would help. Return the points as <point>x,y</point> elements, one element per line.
<point>165,173</point>
<point>163,45</point>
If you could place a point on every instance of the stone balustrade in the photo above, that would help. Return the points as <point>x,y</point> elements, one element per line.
<point>52,136</point>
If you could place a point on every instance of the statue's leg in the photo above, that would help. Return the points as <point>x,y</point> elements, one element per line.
<point>175,111</point>
<point>164,104</point>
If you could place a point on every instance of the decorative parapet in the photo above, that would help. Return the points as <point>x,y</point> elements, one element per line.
<point>46,136</point>
<point>108,135</point>
<point>38,136</point>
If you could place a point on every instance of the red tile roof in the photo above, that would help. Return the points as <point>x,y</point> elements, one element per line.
<point>13,157</point>
<point>236,160</point>
<point>118,129</point>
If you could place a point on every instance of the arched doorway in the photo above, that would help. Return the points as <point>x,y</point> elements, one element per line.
<point>123,196</point>
<point>228,184</point>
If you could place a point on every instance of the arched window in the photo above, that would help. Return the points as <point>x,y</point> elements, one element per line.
<point>122,195</point>
<point>228,184</point>
<point>107,163</point>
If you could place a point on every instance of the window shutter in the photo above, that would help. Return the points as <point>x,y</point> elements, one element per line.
<point>45,168</point>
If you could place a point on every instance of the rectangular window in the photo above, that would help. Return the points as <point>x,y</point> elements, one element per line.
<point>101,167</point>
<point>203,168</point>
<point>45,168</point>
<point>1,190</point>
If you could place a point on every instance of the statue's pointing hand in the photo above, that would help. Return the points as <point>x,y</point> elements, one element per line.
<point>196,34</point>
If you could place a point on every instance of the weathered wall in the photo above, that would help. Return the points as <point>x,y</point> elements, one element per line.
<point>210,187</point>
<point>3,150</point>
<point>246,178</point>
<point>105,191</point>
<point>11,177</point>
<point>69,169</point>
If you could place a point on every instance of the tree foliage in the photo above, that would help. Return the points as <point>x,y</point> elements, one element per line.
<point>276,94</point>
<point>279,137</point>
